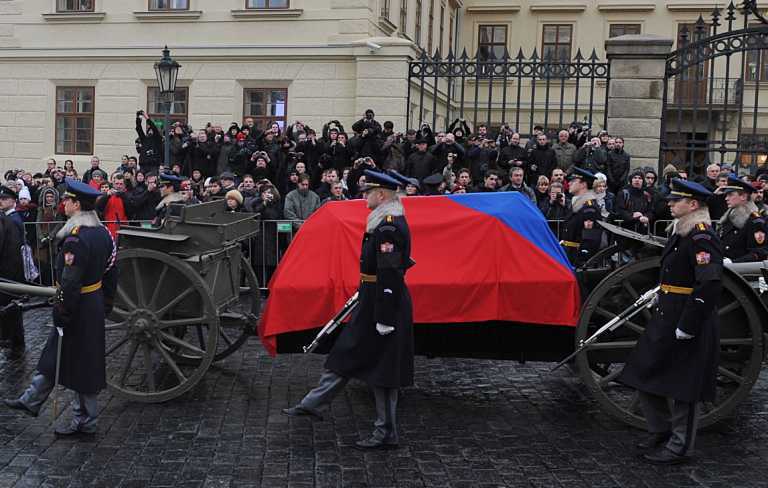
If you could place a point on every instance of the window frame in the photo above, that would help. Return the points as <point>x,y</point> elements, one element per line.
<point>492,43</point>
<point>268,118</point>
<point>431,26</point>
<point>75,11</point>
<point>624,25</point>
<point>404,17</point>
<point>451,25</point>
<point>75,115</point>
<point>557,43</point>
<point>385,9</point>
<point>441,43</point>
<point>419,14</point>
<point>173,117</point>
<point>166,9</point>
<point>762,65</point>
<point>268,6</point>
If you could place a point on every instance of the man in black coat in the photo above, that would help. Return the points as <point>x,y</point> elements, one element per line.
<point>87,281</point>
<point>742,228</point>
<point>676,357</point>
<point>11,268</point>
<point>581,234</point>
<point>376,346</point>
<point>634,205</point>
<point>541,160</point>
<point>618,166</point>
<point>420,163</point>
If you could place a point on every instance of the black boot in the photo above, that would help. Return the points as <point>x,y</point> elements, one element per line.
<point>664,456</point>
<point>299,411</point>
<point>654,440</point>
<point>374,443</point>
<point>17,404</point>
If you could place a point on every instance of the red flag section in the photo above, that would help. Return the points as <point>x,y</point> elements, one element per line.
<point>479,257</point>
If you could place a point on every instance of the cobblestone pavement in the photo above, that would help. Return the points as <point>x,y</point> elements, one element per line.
<point>466,423</point>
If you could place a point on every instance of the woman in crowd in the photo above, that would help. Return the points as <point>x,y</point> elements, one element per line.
<point>542,190</point>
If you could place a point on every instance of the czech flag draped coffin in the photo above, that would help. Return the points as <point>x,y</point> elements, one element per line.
<point>479,257</point>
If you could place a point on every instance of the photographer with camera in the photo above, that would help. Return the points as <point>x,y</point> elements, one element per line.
<point>149,144</point>
<point>369,131</point>
<point>592,156</point>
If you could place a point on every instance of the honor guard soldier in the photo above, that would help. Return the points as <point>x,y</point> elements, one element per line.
<point>170,185</point>
<point>582,234</point>
<point>742,228</point>
<point>86,285</point>
<point>11,268</point>
<point>376,346</point>
<point>674,365</point>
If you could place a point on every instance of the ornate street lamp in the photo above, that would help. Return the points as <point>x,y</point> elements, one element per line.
<point>167,72</point>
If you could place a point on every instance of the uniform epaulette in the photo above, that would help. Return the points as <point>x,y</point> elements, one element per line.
<point>389,219</point>
<point>589,202</point>
<point>75,230</point>
<point>701,226</point>
<point>756,215</point>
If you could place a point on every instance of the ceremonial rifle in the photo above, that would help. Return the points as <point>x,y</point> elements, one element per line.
<point>646,300</point>
<point>334,322</point>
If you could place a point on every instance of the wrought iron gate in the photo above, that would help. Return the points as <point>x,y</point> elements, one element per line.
<point>518,91</point>
<point>715,103</point>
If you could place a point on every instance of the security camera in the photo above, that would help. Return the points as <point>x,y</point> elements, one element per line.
<point>373,46</point>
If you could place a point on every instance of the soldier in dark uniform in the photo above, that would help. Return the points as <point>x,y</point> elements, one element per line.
<point>11,268</point>
<point>170,185</point>
<point>582,235</point>
<point>377,345</point>
<point>742,228</point>
<point>87,282</point>
<point>676,357</point>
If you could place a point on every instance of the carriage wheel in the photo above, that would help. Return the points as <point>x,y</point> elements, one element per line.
<point>157,296</point>
<point>237,322</point>
<point>608,258</point>
<point>740,343</point>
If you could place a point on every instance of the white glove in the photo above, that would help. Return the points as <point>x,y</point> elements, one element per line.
<point>682,335</point>
<point>727,260</point>
<point>384,329</point>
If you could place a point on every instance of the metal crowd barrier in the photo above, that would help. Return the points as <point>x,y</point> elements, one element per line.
<point>265,249</point>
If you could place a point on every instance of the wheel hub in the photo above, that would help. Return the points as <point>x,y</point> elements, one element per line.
<point>142,324</point>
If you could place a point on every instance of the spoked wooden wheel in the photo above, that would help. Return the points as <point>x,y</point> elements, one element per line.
<point>237,321</point>
<point>608,258</point>
<point>157,296</point>
<point>740,343</point>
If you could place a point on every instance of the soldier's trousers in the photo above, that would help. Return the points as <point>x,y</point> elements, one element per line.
<point>84,406</point>
<point>331,384</point>
<point>679,418</point>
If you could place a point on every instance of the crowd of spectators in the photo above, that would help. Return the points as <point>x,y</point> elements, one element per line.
<point>289,172</point>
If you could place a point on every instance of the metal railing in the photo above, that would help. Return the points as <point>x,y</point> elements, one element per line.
<point>265,249</point>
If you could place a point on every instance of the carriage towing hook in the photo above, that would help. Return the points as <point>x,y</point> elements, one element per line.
<point>646,300</point>
<point>334,322</point>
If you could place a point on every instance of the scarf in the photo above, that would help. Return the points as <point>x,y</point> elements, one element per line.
<point>392,207</point>
<point>739,215</point>
<point>80,219</point>
<point>685,224</point>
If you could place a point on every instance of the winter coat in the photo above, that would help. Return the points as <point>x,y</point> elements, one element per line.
<point>564,154</point>
<point>300,206</point>
<point>420,165</point>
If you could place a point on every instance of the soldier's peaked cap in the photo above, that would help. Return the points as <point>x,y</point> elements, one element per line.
<point>377,179</point>
<point>80,191</point>
<point>583,175</point>
<point>169,179</point>
<point>688,189</point>
<point>404,181</point>
<point>735,184</point>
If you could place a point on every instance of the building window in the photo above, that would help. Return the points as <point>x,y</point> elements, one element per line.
<point>403,16</point>
<point>431,26</point>
<point>616,30</point>
<point>168,4</point>
<point>450,31</point>
<point>442,28</point>
<point>266,4</point>
<point>74,120</point>
<point>556,42</point>
<point>384,9</point>
<point>492,41</point>
<point>417,33</point>
<point>74,5</point>
<point>265,105</point>
<point>157,107</point>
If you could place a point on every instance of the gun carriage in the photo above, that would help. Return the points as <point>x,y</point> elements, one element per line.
<point>187,297</point>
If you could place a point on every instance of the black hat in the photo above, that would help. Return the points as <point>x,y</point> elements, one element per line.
<point>6,192</point>
<point>169,179</point>
<point>377,179</point>
<point>369,111</point>
<point>420,140</point>
<point>80,191</point>
<point>434,179</point>
<point>735,184</point>
<point>688,189</point>
<point>227,175</point>
<point>583,175</point>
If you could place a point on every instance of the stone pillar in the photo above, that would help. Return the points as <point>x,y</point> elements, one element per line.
<point>636,93</point>
<point>382,79</point>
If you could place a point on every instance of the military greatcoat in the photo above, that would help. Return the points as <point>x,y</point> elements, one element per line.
<point>87,281</point>
<point>360,351</point>
<point>662,364</point>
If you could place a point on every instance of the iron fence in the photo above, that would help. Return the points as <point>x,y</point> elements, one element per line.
<point>519,91</point>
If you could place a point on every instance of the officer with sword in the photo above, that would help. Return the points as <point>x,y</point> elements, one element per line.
<point>74,355</point>
<point>376,346</point>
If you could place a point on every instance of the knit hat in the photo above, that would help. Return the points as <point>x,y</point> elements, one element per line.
<point>235,195</point>
<point>24,193</point>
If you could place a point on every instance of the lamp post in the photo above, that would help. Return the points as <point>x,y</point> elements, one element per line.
<point>167,72</point>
